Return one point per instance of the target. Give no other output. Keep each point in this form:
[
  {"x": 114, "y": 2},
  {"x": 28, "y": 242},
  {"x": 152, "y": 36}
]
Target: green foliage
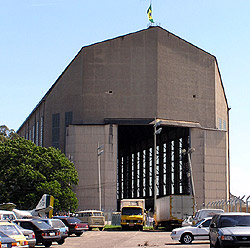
[
  {"x": 28, "y": 171},
  {"x": 6, "y": 133}
]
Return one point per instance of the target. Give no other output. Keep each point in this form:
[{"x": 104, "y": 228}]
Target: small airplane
[{"x": 44, "y": 207}]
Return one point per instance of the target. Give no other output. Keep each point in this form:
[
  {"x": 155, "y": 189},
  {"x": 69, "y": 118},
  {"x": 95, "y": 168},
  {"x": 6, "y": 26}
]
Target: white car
[{"x": 187, "y": 234}]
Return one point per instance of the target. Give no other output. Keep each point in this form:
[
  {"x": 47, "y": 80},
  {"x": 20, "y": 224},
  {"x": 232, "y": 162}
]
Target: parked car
[
  {"x": 56, "y": 223},
  {"x": 45, "y": 234},
  {"x": 199, "y": 231},
  {"x": 6, "y": 241},
  {"x": 74, "y": 224},
  {"x": 29, "y": 235},
  {"x": 188, "y": 221},
  {"x": 11, "y": 230},
  {"x": 230, "y": 230},
  {"x": 207, "y": 212}
]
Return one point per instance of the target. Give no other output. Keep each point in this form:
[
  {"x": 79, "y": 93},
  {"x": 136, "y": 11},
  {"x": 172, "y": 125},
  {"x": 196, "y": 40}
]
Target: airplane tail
[
  {"x": 45, "y": 203},
  {"x": 44, "y": 206}
]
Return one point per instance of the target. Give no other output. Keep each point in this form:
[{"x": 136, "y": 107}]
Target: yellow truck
[{"x": 132, "y": 214}]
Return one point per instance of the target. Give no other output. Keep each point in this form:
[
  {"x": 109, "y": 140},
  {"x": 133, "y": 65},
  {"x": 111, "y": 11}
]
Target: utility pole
[
  {"x": 99, "y": 153},
  {"x": 191, "y": 177},
  {"x": 156, "y": 131}
]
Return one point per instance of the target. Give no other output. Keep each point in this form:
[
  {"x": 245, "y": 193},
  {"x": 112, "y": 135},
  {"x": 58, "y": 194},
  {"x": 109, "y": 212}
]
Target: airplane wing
[{"x": 7, "y": 206}]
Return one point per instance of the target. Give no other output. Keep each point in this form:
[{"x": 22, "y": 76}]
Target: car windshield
[
  {"x": 198, "y": 223},
  {"x": 10, "y": 230},
  {"x": 131, "y": 211},
  {"x": 2, "y": 235},
  {"x": 41, "y": 224},
  {"x": 57, "y": 223},
  {"x": 237, "y": 220},
  {"x": 73, "y": 220},
  {"x": 8, "y": 217}
]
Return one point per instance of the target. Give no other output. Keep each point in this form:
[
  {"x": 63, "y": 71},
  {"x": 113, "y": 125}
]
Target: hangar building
[{"x": 111, "y": 93}]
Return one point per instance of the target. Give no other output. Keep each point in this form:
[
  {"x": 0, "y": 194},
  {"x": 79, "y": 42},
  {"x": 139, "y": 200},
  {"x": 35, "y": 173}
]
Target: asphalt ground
[{"x": 121, "y": 239}]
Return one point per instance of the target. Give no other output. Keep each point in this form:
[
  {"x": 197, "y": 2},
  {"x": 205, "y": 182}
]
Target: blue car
[{"x": 6, "y": 241}]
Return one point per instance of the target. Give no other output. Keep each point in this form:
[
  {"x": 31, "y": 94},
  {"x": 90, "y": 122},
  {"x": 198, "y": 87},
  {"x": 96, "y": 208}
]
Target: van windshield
[{"x": 97, "y": 214}]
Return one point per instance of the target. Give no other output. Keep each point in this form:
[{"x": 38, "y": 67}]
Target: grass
[
  {"x": 112, "y": 228},
  {"x": 118, "y": 228}
]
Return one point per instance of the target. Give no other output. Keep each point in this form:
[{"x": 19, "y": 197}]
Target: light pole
[
  {"x": 99, "y": 153},
  {"x": 156, "y": 131}
]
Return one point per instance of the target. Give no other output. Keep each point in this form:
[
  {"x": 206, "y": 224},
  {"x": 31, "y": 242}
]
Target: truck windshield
[{"x": 131, "y": 211}]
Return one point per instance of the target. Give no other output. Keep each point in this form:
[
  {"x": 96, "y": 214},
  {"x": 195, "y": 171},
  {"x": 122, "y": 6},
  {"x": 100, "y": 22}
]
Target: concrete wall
[
  {"x": 81, "y": 146},
  {"x": 35, "y": 123},
  {"x": 210, "y": 165},
  {"x": 119, "y": 78},
  {"x": 186, "y": 83}
]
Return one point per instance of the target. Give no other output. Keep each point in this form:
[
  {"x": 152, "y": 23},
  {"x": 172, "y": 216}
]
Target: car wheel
[
  {"x": 217, "y": 244},
  {"x": 61, "y": 241},
  {"x": 186, "y": 238},
  {"x": 100, "y": 228},
  {"x": 48, "y": 244},
  {"x": 78, "y": 234}
]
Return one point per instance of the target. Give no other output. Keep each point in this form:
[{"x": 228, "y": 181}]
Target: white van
[
  {"x": 94, "y": 218},
  {"x": 7, "y": 215},
  {"x": 203, "y": 213}
]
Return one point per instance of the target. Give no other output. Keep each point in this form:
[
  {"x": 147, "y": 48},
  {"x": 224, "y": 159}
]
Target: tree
[
  {"x": 28, "y": 171},
  {"x": 6, "y": 133}
]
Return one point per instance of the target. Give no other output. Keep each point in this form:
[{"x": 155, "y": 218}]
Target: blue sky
[{"x": 39, "y": 38}]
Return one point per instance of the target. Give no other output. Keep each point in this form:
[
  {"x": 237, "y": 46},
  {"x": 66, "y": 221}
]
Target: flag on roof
[{"x": 149, "y": 12}]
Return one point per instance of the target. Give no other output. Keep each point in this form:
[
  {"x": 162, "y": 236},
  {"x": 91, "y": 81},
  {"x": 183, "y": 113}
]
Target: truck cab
[{"x": 132, "y": 214}]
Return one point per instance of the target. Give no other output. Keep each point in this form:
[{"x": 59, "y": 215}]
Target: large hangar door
[{"x": 135, "y": 170}]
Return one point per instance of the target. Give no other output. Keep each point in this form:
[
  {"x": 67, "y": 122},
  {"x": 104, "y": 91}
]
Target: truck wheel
[
  {"x": 155, "y": 227},
  {"x": 140, "y": 228},
  {"x": 186, "y": 238}
]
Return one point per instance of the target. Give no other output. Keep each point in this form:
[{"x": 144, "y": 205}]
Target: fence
[{"x": 234, "y": 204}]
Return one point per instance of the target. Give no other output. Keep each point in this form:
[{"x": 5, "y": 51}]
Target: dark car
[
  {"x": 44, "y": 233},
  {"x": 75, "y": 225},
  {"x": 56, "y": 223},
  {"x": 6, "y": 241},
  {"x": 230, "y": 230}
]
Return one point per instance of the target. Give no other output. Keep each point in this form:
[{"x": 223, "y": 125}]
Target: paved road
[{"x": 121, "y": 239}]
